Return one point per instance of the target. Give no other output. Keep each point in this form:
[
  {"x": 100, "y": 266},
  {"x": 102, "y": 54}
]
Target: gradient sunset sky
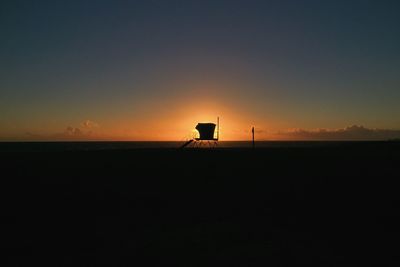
[{"x": 150, "y": 70}]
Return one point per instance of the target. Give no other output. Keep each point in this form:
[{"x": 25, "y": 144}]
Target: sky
[{"x": 151, "y": 70}]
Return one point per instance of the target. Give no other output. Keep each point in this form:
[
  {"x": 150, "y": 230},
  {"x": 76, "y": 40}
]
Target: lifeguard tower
[{"x": 206, "y": 136}]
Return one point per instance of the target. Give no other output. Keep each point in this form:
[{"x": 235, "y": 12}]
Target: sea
[{"x": 134, "y": 145}]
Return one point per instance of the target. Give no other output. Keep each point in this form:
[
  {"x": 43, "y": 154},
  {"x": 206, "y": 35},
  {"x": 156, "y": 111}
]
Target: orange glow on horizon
[{"x": 159, "y": 119}]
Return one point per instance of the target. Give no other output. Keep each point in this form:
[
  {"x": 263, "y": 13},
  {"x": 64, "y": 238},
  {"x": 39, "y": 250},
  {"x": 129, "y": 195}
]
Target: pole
[
  {"x": 252, "y": 131},
  {"x": 217, "y": 128}
]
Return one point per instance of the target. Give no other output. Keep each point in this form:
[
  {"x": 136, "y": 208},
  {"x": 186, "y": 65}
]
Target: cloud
[
  {"x": 70, "y": 133},
  {"x": 85, "y": 132},
  {"x": 88, "y": 124},
  {"x": 354, "y": 132}
]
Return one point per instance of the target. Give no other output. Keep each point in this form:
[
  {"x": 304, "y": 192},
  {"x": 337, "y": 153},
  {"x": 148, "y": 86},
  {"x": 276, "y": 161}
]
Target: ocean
[
  {"x": 129, "y": 145},
  {"x": 121, "y": 203}
]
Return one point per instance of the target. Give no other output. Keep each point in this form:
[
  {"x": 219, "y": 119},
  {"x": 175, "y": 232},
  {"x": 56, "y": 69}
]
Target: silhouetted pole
[
  {"x": 217, "y": 128},
  {"x": 252, "y": 131}
]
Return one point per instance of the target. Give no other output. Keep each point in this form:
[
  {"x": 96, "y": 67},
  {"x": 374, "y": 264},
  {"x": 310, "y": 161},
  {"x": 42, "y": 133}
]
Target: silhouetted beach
[{"x": 307, "y": 203}]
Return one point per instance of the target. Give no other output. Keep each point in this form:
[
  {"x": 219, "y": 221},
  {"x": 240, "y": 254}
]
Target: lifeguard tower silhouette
[{"x": 206, "y": 135}]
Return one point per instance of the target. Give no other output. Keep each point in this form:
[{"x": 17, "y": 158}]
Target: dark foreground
[{"x": 325, "y": 205}]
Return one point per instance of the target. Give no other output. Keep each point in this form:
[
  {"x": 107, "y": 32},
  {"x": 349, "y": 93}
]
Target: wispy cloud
[
  {"x": 88, "y": 124},
  {"x": 84, "y": 132},
  {"x": 354, "y": 132},
  {"x": 71, "y": 131}
]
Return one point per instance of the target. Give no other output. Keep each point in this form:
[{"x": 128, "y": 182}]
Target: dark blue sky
[{"x": 285, "y": 64}]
